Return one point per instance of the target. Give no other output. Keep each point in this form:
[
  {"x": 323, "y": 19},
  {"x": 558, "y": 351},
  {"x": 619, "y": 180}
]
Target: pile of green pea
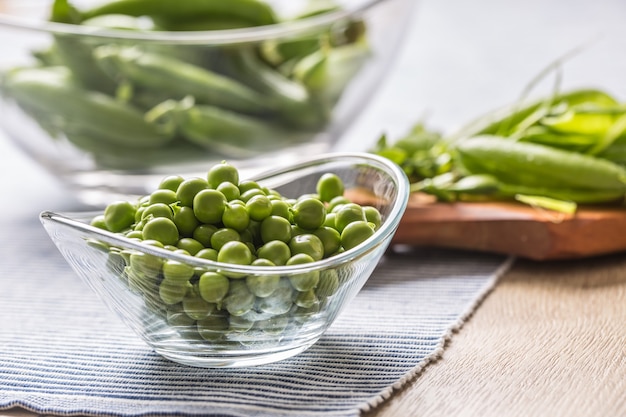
[{"x": 223, "y": 219}]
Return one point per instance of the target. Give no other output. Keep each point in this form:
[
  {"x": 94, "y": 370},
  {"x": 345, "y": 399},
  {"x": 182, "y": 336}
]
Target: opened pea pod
[{"x": 558, "y": 152}]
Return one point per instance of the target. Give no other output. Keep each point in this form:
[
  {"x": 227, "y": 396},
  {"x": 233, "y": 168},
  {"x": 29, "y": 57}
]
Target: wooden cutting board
[{"x": 512, "y": 228}]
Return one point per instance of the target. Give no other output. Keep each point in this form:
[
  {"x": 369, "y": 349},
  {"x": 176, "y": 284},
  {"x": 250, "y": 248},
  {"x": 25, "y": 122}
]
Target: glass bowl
[
  {"x": 112, "y": 103},
  {"x": 261, "y": 328}
]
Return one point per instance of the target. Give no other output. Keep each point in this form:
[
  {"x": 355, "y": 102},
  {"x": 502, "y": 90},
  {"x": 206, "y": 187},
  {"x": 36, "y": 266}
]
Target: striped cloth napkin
[{"x": 63, "y": 352}]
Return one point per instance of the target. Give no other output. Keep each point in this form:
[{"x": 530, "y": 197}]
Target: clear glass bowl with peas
[
  {"x": 223, "y": 271},
  {"x": 112, "y": 95}
]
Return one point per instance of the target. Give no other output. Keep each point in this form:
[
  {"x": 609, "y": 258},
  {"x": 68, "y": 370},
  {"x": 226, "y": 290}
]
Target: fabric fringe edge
[{"x": 444, "y": 341}]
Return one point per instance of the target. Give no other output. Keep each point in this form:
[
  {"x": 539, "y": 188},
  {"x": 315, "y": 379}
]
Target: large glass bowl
[
  {"x": 128, "y": 275},
  {"x": 111, "y": 105}
]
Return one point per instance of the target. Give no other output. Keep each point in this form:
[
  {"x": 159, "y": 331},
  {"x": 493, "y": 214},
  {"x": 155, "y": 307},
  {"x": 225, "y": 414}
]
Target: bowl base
[{"x": 239, "y": 361}]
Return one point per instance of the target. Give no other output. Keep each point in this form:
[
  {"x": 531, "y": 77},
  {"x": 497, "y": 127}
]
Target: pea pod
[
  {"x": 53, "y": 92},
  {"x": 505, "y": 121},
  {"x": 255, "y": 12},
  {"x": 289, "y": 98},
  {"x": 178, "y": 78},
  {"x": 537, "y": 165},
  {"x": 328, "y": 72},
  {"x": 469, "y": 187},
  {"x": 222, "y": 131}
]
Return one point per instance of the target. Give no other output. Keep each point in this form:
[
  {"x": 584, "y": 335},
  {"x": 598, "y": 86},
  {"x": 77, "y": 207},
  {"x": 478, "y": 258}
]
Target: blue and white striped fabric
[{"x": 63, "y": 352}]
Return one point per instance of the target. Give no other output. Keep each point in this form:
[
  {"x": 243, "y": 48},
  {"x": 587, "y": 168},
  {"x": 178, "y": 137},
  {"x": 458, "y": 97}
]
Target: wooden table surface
[{"x": 550, "y": 340}]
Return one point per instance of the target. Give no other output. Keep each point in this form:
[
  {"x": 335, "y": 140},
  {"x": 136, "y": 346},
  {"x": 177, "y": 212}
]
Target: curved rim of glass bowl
[
  {"x": 213, "y": 37},
  {"x": 383, "y": 234}
]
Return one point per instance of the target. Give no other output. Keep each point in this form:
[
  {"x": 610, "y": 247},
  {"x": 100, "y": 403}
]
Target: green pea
[
  {"x": 280, "y": 300},
  {"x": 302, "y": 315},
  {"x": 171, "y": 182},
  {"x": 236, "y": 217},
  {"x": 207, "y": 253},
  {"x": 239, "y": 299},
  {"x": 262, "y": 285},
  {"x": 135, "y": 234},
  {"x": 337, "y": 201},
  {"x": 186, "y": 221},
  {"x": 172, "y": 292},
  {"x": 307, "y": 196},
  {"x": 145, "y": 264},
  {"x": 247, "y": 195},
  {"x": 356, "y": 233},
  {"x": 230, "y": 190},
  {"x": 213, "y": 287},
  {"x": 222, "y": 236},
  {"x": 165, "y": 196},
  {"x": 306, "y": 280},
  {"x": 197, "y": 308},
  {"x": 209, "y": 206},
  {"x": 213, "y": 327},
  {"x": 281, "y": 208},
  {"x": 259, "y": 207},
  {"x": 309, "y": 213},
  {"x": 177, "y": 272},
  {"x": 234, "y": 252},
  {"x": 222, "y": 172},
  {"x": 309, "y": 244},
  {"x": 330, "y": 220},
  {"x": 276, "y": 251},
  {"x": 153, "y": 242},
  {"x": 330, "y": 238},
  {"x": 203, "y": 233},
  {"x": 240, "y": 324},
  {"x": 189, "y": 244},
  {"x": 275, "y": 228},
  {"x": 247, "y": 185},
  {"x": 297, "y": 230},
  {"x": 161, "y": 229},
  {"x": 119, "y": 215},
  {"x": 99, "y": 222},
  {"x": 188, "y": 189},
  {"x": 306, "y": 299},
  {"x": 274, "y": 325},
  {"x": 348, "y": 213},
  {"x": 328, "y": 284},
  {"x": 157, "y": 210},
  {"x": 176, "y": 316},
  {"x": 138, "y": 213},
  {"x": 373, "y": 216},
  {"x": 329, "y": 186}
]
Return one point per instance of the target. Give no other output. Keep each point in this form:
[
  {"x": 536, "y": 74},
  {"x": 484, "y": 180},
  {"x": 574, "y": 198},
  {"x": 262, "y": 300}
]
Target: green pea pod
[
  {"x": 111, "y": 156},
  {"x": 201, "y": 23},
  {"x": 256, "y": 12},
  {"x": 178, "y": 78},
  {"x": 221, "y": 131},
  {"x": 328, "y": 72},
  {"x": 576, "y": 195},
  {"x": 484, "y": 185},
  {"x": 289, "y": 98},
  {"x": 505, "y": 121},
  {"x": 277, "y": 52},
  {"x": 76, "y": 53},
  {"x": 537, "y": 165},
  {"x": 52, "y": 91},
  {"x": 584, "y": 120}
]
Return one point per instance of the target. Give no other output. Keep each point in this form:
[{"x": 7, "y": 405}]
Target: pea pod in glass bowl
[
  {"x": 110, "y": 96},
  {"x": 247, "y": 294}
]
